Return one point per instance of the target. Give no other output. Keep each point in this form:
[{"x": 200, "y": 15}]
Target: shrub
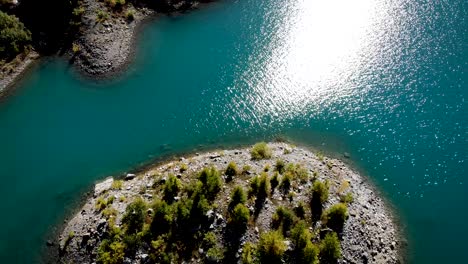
[
  {"x": 246, "y": 169},
  {"x": 78, "y": 11},
  {"x": 253, "y": 186},
  {"x": 182, "y": 210},
  {"x": 320, "y": 192},
  {"x": 132, "y": 242},
  {"x": 297, "y": 171},
  {"x": 101, "y": 203},
  {"x": 310, "y": 254},
  {"x": 134, "y": 216},
  {"x": 285, "y": 184},
  {"x": 300, "y": 235},
  {"x": 274, "y": 181},
  {"x": 239, "y": 216},
  {"x": 211, "y": 180},
  {"x": 109, "y": 212},
  {"x": 130, "y": 15},
  {"x": 238, "y": 197},
  {"x": 115, "y": 3},
  {"x": 280, "y": 165},
  {"x": 302, "y": 173},
  {"x": 260, "y": 151},
  {"x": 263, "y": 185},
  {"x": 209, "y": 240},
  {"x": 248, "y": 253},
  {"x": 13, "y": 35},
  {"x": 284, "y": 218},
  {"x": 101, "y": 16},
  {"x": 330, "y": 248},
  {"x": 110, "y": 252},
  {"x": 171, "y": 188},
  {"x": 271, "y": 247},
  {"x": 347, "y": 198},
  {"x": 306, "y": 252},
  {"x": 162, "y": 218},
  {"x": 335, "y": 216},
  {"x": 117, "y": 184},
  {"x": 183, "y": 166},
  {"x": 299, "y": 210},
  {"x": 215, "y": 254},
  {"x": 231, "y": 169}
]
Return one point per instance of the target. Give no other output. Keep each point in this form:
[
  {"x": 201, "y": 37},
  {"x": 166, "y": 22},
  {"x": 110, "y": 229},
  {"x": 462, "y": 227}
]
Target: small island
[{"x": 269, "y": 203}]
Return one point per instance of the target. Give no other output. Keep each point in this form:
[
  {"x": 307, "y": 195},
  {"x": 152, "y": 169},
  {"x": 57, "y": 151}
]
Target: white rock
[{"x": 103, "y": 186}]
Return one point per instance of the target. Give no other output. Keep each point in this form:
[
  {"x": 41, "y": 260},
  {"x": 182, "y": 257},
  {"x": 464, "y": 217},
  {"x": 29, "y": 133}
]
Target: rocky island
[{"x": 270, "y": 203}]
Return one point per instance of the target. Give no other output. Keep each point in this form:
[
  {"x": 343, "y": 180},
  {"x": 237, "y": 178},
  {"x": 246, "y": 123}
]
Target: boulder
[{"x": 130, "y": 176}]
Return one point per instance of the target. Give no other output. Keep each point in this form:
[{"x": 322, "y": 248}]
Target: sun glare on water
[{"x": 317, "y": 47}]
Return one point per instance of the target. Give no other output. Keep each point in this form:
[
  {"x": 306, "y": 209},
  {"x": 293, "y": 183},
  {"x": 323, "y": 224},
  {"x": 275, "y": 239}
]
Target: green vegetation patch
[
  {"x": 13, "y": 36},
  {"x": 260, "y": 151}
]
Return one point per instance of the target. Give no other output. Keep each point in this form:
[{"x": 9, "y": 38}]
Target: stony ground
[
  {"x": 370, "y": 235},
  {"x": 11, "y": 72},
  {"x": 107, "y": 46}
]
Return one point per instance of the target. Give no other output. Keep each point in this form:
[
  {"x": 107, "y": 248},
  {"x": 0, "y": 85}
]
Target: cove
[{"x": 382, "y": 80}]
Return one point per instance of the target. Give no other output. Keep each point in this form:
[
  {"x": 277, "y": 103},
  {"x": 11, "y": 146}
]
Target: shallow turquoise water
[{"x": 383, "y": 80}]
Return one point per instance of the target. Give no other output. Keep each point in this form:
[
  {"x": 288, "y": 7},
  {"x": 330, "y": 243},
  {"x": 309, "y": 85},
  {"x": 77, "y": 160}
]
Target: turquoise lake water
[{"x": 382, "y": 80}]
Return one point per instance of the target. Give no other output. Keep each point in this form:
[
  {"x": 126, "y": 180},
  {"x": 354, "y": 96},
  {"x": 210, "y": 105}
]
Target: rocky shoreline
[
  {"x": 102, "y": 49},
  {"x": 370, "y": 233},
  {"x": 8, "y": 79},
  {"x": 107, "y": 47}
]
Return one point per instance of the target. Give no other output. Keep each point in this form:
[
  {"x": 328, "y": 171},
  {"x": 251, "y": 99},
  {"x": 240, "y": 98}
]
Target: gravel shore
[{"x": 370, "y": 233}]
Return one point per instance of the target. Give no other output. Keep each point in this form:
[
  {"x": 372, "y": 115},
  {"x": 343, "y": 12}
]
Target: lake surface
[{"x": 382, "y": 80}]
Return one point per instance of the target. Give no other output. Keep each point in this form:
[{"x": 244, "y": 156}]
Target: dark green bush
[
  {"x": 285, "y": 184},
  {"x": 330, "y": 249},
  {"x": 263, "y": 185},
  {"x": 182, "y": 210},
  {"x": 260, "y": 151},
  {"x": 231, "y": 169},
  {"x": 248, "y": 253},
  {"x": 134, "y": 216},
  {"x": 300, "y": 235},
  {"x": 253, "y": 186},
  {"x": 320, "y": 192},
  {"x": 162, "y": 218},
  {"x": 335, "y": 216},
  {"x": 310, "y": 254},
  {"x": 171, "y": 188},
  {"x": 347, "y": 198},
  {"x": 274, "y": 181},
  {"x": 299, "y": 210},
  {"x": 283, "y": 218},
  {"x": 209, "y": 240},
  {"x": 271, "y": 247},
  {"x": 239, "y": 216},
  {"x": 211, "y": 179},
  {"x": 110, "y": 252},
  {"x": 200, "y": 206},
  {"x": 237, "y": 197},
  {"x": 280, "y": 166},
  {"x": 13, "y": 36},
  {"x": 215, "y": 255}
]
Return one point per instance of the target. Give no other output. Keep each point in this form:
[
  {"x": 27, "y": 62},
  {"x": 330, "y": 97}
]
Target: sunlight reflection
[{"x": 319, "y": 44}]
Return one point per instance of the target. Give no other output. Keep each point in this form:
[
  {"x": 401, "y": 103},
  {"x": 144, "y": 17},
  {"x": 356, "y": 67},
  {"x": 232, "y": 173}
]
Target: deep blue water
[{"x": 383, "y": 80}]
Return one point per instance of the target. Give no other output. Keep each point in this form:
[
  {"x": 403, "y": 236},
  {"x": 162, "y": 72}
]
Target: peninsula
[
  {"x": 269, "y": 203},
  {"x": 95, "y": 35}
]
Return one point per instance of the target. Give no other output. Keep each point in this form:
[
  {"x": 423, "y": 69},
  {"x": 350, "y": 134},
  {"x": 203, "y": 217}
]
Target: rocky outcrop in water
[{"x": 188, "y": 212}]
